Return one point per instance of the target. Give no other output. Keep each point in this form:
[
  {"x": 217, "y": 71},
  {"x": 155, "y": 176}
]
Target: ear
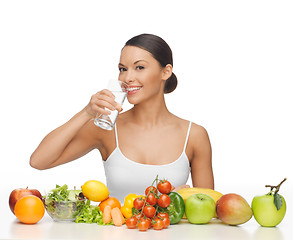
[{"x": 167, "y": 72}]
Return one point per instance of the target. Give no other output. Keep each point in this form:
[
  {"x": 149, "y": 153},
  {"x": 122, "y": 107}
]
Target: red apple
[
  {"x": 233, "y": 209},
  {"x": 17, "y": 194}
]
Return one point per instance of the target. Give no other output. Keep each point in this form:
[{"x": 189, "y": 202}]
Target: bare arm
[
  {"x": 55, "y": 143},
  {"x": 74, "y": 138},
  {"x": 201, "y": 162}
]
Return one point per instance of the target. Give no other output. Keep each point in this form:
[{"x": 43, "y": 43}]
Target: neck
[{"x": 151, "y": 113}]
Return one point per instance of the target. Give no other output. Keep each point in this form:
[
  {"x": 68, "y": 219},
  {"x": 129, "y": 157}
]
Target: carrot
[
  {"x": 122, "y": 217},
  {"x": 116, "y": 216},
  {"x": 107, "y": 214}
]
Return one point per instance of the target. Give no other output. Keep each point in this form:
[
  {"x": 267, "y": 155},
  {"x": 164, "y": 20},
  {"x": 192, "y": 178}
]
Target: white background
[{"x": 233, "y": 61}]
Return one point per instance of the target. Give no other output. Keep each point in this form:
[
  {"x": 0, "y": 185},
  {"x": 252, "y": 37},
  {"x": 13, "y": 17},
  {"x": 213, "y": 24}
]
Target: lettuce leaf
[
  {"x": 58, "y": 194},
  {"x": 91, "y": 214}
]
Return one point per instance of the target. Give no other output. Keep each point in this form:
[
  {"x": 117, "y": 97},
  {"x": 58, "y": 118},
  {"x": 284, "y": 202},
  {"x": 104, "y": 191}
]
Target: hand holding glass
[{"x": 119, "y": 89}]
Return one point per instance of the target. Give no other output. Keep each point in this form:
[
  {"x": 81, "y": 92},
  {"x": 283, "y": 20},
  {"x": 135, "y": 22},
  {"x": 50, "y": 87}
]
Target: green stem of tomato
[{"x": 156, "y": 180}]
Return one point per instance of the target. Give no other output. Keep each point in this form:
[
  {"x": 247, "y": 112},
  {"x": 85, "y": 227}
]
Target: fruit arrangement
[
  {"x": 157, "y": 209},
  {"x": 26, "y": 204}
]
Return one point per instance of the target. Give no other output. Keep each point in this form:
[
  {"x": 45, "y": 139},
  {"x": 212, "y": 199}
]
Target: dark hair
[{"x": 160, "y": 50}]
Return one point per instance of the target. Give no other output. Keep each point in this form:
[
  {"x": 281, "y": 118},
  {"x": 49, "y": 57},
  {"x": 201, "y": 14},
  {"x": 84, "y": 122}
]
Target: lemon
[{"x": 95, "y": 190}]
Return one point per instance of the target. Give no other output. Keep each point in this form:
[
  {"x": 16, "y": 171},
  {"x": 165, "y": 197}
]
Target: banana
[{"x": 187, "y": 192}]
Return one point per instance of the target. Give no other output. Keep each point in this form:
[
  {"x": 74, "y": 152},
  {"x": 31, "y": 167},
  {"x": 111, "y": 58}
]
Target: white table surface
[
  {"x": 11, "y": 228},
  {"x": 48, "y": 229}
]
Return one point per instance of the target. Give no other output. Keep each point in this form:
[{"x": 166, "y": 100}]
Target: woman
[{"x": 147, "y": 140}]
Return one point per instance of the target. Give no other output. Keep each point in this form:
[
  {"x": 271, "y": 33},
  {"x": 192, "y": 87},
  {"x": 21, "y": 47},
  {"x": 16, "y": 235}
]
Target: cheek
[{"x": 152, "y": 77}]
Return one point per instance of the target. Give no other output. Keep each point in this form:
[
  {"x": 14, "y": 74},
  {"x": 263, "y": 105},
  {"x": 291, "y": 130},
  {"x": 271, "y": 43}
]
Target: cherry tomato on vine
[
  {"x": 149, "y": 211},
  {"x": 137, "y": 216},
  {"x": 148, "y": 220},
  {"x": 152, "y": 189},
  {"x": 151, "y": 199},
  {"x": 165, "y": 218},
  {"x": 131, "y": 222},
  {"x": 164, "y": 186},
  {"x": 138, "y": 203},
  {"x": 143, "y": 224},
  {"x": 158, "y": 224},
  {"x": 162, "y": 215},
  {"x": 166, "y": 222},
  {"x": 164, "y": 201}
]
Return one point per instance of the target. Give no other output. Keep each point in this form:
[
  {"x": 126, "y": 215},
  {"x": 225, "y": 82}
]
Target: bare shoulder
[
  {"x": 195, "y": 129},
  {"x": 199, "y": 139},
  {"x": 198, "y": 131},
  {"x": 198, "y": 134}
]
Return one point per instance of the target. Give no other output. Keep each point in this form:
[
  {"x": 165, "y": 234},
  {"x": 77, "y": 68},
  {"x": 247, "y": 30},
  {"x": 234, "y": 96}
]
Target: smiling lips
[{"x": 133, "y": 89}]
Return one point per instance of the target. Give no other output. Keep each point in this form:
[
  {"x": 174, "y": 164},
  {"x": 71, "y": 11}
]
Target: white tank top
[{"x": 124, "y": 176}]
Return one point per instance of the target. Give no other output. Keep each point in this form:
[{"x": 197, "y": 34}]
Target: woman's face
[{"x": 142, "y": 72}]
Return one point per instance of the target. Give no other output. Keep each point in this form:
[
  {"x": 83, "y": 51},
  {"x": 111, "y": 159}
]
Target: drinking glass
[{"x": 119, "y": 89}]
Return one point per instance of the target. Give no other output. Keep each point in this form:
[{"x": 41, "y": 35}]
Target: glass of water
[{"x": 119, "y": 89}]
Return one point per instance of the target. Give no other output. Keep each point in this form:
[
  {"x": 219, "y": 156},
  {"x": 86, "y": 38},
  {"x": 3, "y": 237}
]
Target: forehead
[{"x": 131, "y": 54}]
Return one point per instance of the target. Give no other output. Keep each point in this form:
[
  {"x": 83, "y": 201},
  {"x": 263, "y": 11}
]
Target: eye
[
  {"x": 139, "y": 67},
  {"x": 122, "y": 69}
]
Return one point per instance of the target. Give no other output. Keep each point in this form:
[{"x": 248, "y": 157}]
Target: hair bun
[{"x": 170, "y": 84}]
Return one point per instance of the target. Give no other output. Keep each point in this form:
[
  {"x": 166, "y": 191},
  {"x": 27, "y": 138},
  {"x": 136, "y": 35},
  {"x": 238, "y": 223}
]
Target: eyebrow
[{"x": 134, "y": 62}]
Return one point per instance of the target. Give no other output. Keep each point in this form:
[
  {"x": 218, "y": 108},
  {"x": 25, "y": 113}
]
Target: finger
[
  {"x": 107, "y": 93},
  {"x": 118, "y": 107},
  {"x": 103, "y": 112},
  {"x": 103, "y": 101},
  {"x": 98, "y": 110},
  {"x": 104, "y": 104},
  {"x": 104, "y": 98}
]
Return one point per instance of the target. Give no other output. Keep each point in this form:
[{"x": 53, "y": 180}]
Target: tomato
[
  {"x": 158, "y": 224},
  {"x": 164, "y": 186},
  {"x": 148, "y": 220},
  {"x": 149, "y": 211},
  {"x": 162, "y": 215},
  {"x": 138, "y": 203},
  {"x": 164, "y": 201},
  {"x": 165, "y": 218},
  {"x": 166, "y": 222},
  {"x": 137, "y": 216},
  {"x": 151, "y": 199},
  {"x": 152, "y": 189},
  {"x": 110, "y": 201},
  {"x": 143, "y": 224},
  {"x": 131, "y": 222}
]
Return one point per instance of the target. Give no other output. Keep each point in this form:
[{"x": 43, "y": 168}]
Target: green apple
[
  {"x": 270, "y": 209},
  {"x": 265, "y": 212},
  {"x": 200, "y": 208}
]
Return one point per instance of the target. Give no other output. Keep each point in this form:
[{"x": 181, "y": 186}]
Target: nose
[{"x": 130, "y": 77}]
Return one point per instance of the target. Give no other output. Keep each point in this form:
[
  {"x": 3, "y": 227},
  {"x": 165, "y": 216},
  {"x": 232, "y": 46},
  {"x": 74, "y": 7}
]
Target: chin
[{"x": 133, "y": 101}]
